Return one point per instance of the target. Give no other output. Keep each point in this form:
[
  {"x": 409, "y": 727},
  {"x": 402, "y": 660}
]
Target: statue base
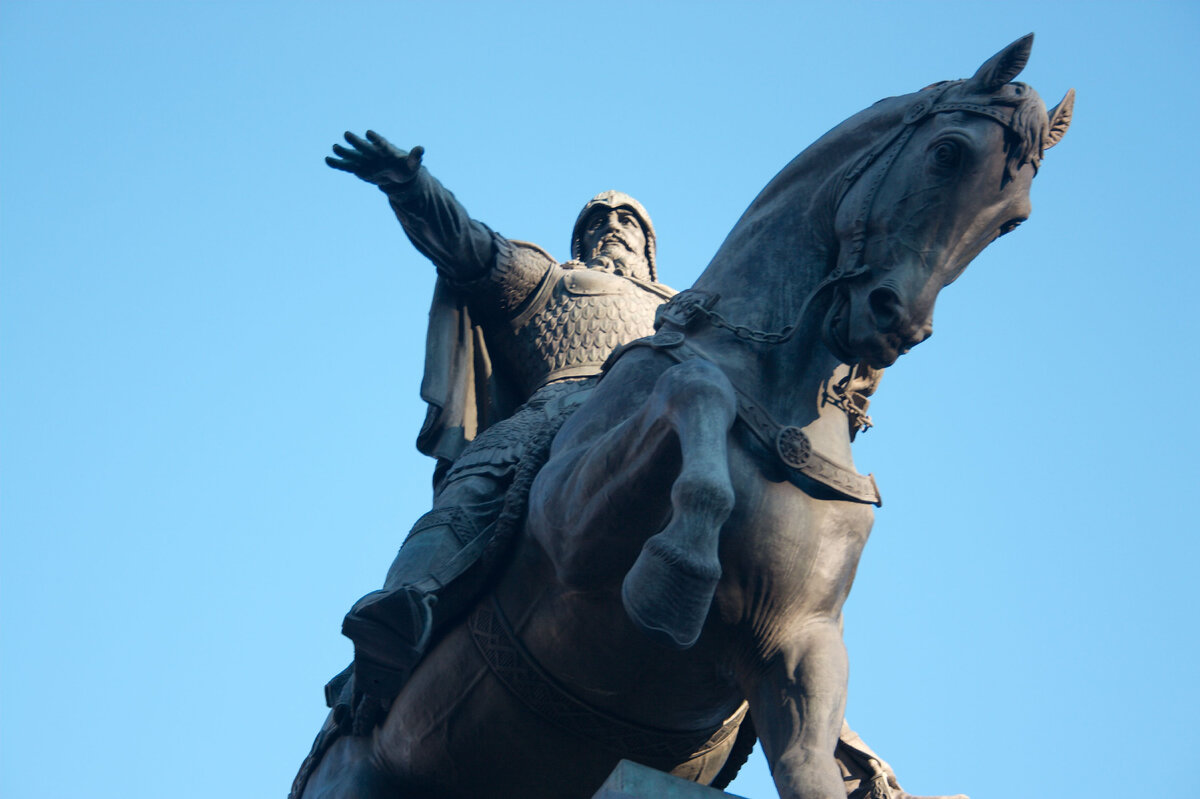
[{"x": 630, "y": 780}]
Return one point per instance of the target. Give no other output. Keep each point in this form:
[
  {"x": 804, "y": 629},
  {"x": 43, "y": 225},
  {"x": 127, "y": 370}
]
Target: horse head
[{"x": 951, "y": 177}]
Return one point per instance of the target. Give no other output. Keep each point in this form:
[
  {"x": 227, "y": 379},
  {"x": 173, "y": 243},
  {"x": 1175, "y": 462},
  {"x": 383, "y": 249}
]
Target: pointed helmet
[{"x": 614, "y": 200}]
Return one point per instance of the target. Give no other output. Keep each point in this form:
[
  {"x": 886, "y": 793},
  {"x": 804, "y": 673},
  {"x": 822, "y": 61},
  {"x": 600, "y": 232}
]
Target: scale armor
[
  {"x": 554, "y": 349},
  {"x": 583, "y": 315}
]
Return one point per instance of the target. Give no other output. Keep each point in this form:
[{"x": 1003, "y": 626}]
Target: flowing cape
[{"x": 464, "y": 394}]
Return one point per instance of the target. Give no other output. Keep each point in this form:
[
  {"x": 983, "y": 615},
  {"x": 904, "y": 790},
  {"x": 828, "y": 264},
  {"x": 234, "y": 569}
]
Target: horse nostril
[{"x": 886, "y": 308}]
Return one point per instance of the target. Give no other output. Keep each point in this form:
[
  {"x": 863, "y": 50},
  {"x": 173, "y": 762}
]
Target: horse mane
[
  {"x": 789, "y": 225},
  {"x": 1026, "y": 140}
]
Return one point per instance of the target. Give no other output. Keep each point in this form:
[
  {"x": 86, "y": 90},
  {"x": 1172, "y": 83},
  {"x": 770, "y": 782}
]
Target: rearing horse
[{"x": 691, "y": 541}]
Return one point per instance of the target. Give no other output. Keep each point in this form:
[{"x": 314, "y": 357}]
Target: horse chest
[{"x": 787, "y": 556}]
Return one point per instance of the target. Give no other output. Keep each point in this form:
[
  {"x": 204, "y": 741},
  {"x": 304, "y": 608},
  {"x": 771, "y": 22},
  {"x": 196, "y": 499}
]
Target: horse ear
[
  {"x": 1060, "y": 119},
  {"x": 1002, "y": 67}
]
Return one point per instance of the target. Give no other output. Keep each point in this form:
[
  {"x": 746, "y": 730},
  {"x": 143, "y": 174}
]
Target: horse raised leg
[
  {"x": 668, "y": 591},
  {"x": 681, "y": 429}
]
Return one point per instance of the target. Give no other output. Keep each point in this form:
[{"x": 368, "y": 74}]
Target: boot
[{"x": 390, "y": 630}]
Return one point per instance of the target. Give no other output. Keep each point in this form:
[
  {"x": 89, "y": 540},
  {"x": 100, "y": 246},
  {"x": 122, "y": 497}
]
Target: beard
[{"x": 614, "y": 255}]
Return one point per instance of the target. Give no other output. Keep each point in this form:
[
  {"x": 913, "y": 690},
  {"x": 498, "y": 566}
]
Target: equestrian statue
[{"x": 646, "y": 514}]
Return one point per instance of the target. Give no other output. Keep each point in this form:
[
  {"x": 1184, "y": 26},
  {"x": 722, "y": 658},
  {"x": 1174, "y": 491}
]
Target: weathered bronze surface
[
  {"x": 626, "y": 565},
  {"x": 632, "y": 781}
]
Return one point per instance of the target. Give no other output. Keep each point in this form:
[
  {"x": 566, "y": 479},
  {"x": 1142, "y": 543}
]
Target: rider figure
[{"x": 509, "y": 325}]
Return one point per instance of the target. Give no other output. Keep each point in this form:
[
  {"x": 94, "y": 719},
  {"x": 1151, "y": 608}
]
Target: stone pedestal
[{"x": 632, "y": 781}]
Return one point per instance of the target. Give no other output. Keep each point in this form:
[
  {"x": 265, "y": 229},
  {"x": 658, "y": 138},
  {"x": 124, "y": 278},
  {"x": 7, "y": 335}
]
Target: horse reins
[
  {"x": 852, "y": 264},
  {"x": 790, "y": 445}
]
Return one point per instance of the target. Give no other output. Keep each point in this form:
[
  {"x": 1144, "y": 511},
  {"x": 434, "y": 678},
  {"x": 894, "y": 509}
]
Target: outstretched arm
[
  {"x": 378, "y": 161},
  {"x": 436, "y": 223}
]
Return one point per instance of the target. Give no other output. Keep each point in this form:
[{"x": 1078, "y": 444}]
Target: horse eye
[
  {"x": 946, "y": 154},
  {"x": 1010, "y": 226}
]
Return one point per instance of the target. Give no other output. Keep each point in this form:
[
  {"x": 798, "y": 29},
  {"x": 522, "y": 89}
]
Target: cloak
[{"x": 464, "y": 394}]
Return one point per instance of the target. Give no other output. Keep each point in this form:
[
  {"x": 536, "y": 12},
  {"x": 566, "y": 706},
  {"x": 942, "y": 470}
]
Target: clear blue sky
[{"x": 210, "y": 347}]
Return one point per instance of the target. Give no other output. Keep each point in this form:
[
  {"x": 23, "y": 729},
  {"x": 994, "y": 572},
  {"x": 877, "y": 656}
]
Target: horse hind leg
[{"x": 668, "y": 591}]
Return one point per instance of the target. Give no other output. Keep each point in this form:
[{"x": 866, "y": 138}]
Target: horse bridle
[
  {"x": 685, "y": 306},
  {"x": 790, "y": 445}
]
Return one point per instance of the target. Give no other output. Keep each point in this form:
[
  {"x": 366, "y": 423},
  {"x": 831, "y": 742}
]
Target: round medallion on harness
[{"x": 793, "y": 446}]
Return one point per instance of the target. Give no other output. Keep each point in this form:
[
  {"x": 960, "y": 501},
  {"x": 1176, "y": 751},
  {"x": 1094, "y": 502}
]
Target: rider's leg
[
  {"x": 432, "y": 555},
  {"x": 445, "y": 561},
  {"x": 391, "y": 627}
]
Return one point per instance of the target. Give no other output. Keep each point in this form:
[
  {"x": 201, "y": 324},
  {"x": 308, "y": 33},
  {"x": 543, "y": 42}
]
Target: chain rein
[
  {"x": 840, "y": 272},
  {"x": 744, "y": 332}
]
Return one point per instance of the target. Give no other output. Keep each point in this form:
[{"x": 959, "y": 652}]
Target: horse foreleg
[
  {"x": 598, "y": 501},
  {"x": 668, "y": 591},
  {"x": 798, "y": 703}
]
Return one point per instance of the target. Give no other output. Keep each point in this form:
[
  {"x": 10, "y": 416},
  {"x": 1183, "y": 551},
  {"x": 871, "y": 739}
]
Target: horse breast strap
[
  {"x": 793, "y": 448},
  {"x": 789, "y": 444}
]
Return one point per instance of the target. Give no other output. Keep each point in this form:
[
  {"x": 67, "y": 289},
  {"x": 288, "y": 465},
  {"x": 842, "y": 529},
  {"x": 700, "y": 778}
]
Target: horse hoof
[{"x": 668, "y": 592}]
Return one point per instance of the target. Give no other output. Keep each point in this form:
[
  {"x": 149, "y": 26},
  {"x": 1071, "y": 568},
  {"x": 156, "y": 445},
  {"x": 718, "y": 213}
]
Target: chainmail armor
[
  {"x": 514, "y": 278},
  {"x": 498, "y": 450}
]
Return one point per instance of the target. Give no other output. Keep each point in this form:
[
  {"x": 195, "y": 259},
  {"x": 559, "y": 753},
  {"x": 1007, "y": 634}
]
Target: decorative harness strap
[
  {"x": 510, "y": 661},
  {"x": 788, "y": 443}
]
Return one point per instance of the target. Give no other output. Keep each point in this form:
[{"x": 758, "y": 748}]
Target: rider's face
[{"x": 610, "y": 227}]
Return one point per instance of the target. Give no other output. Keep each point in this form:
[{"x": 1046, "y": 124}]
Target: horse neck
[
  {"x": 777, "y": 253},
  {"x": 769, "y": 268},
  {"x": 785, "y": 243},
  {"x": 789, "y": 378}
]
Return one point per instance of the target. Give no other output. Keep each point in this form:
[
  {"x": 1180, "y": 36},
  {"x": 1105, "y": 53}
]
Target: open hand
[{"x": 376, "y": 160}]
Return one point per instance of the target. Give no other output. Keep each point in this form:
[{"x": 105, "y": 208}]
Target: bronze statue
[
  {"x": 510, "y": 328},
  {"x": 685, "y": 551}
]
